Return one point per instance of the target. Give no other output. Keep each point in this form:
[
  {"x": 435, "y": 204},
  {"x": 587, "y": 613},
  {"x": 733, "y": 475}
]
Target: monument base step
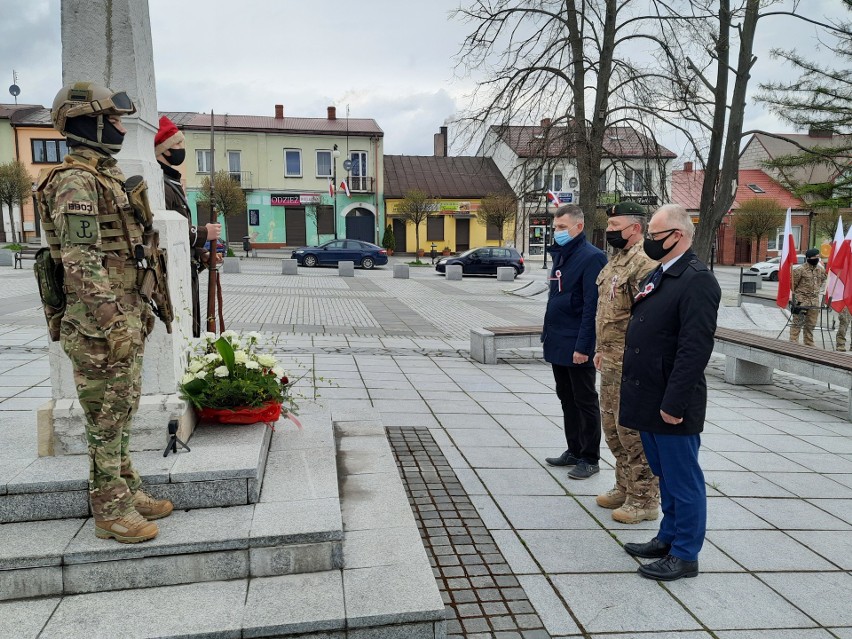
[
  {"x": 224, "y": 468},
  {"x": 243, "y": 571}
]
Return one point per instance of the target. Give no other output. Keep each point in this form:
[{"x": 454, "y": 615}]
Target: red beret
[{"x": 167, "y": 137}]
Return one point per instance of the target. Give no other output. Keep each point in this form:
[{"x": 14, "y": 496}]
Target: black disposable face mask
[
  {"x": 654, "y": 248},
  {"x": 615, "y": 239},
  {"x": 176, "y": 156},
  {"x": 814, "y": 261}
]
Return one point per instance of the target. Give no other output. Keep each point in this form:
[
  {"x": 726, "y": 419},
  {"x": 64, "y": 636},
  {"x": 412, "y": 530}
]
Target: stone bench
[
  {"x": 751, "y": 359},
  {"x": 485, "y": 342}
]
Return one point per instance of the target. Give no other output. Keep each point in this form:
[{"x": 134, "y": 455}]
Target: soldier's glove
[
  {"x": 150, "y": 322},
  {"x": 120, "y": 341}
]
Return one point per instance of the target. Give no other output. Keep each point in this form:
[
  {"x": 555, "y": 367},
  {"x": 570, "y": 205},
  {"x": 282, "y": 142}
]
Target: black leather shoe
[
  {"x": 583, "y": 470},
  {"x": 565, "y": 459},
  {"x": 669, "y": 568},
  {"x": 654, "y": 549}
]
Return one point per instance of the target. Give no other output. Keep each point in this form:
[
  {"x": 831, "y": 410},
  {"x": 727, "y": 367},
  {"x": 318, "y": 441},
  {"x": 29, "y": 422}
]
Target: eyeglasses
[{"x": 655, "y": 234}]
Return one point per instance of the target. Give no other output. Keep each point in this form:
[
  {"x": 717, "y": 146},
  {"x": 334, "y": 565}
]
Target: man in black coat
[
  {"x": 569, "y": 339},
  {"x": 663, "y": 391}
]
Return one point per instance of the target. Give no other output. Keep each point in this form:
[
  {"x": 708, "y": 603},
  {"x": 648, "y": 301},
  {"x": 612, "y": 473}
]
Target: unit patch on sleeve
[{"x": 82, "y": 229}]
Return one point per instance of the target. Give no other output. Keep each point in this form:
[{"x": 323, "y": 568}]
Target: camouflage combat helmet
[{"x": 89, "y": 99}]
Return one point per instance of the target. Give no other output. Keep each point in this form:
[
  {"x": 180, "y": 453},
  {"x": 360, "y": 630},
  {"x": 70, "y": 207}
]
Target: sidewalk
[{"x": 778, "y": 459}]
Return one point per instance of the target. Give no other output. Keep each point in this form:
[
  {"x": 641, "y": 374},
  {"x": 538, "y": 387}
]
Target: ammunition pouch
[
  {"x": 137, "y": 194},
  {"x": 50, "y": 276}
]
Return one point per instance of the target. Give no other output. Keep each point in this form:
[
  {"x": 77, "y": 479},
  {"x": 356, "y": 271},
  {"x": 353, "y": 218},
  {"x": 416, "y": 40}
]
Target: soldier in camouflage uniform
[
  {"x": 807, "y": 283},
  {"x": 91, "y": 226},
  {"x": 636, "y": 495},
  {"x": 843, "y": 323}
]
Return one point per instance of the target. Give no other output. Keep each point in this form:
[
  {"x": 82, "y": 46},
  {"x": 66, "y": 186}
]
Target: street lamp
[{"x": 334, "y": 155}]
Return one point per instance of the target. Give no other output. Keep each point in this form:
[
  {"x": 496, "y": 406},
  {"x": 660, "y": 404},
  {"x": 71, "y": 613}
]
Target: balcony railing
[
  {"x": 243, "y": 178},
  {"x": 361, "y": 184}
]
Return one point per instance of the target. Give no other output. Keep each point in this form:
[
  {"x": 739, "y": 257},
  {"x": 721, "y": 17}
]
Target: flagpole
[{"x": 211, "y": 260}]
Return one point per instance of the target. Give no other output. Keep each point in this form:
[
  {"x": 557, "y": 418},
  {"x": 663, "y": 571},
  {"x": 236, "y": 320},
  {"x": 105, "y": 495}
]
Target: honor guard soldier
[{"x": 93, "y": 234}]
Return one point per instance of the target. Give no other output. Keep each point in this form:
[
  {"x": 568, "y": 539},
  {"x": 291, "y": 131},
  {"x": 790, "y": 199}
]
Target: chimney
[
  {"x": 441, "y": 143},
  {"x": 545, "y": 123},
  {"x": 814, "y": 132},
  {"x": 687, "y": 167},
  {"x": 279, "y": 111},
  {"x": 332, "y": 113}
]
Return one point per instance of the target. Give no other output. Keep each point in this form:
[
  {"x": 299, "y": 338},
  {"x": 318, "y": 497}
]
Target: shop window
[{"x": 325, "y": 220}]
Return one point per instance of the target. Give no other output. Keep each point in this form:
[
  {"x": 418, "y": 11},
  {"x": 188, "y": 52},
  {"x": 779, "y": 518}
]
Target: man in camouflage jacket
[
  {"x": 636, "y": 495},
  {"x": 808, "y": 280},
  {"x": 106, "y": 321}
]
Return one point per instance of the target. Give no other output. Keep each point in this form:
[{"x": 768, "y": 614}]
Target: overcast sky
[{"x": 391, "y": 60}]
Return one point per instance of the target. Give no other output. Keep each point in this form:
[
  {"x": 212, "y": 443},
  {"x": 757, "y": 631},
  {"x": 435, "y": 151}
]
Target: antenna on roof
[{"x": 15, "y": 90}]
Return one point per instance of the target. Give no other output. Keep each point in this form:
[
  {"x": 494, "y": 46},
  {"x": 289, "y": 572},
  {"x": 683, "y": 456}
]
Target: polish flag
[
  {"x": 345, "y": 187},
  {"x": 834, "y": 289},
  {"x": 553, "y": 198},
  {"x": 330, "y": 188},
  {"x": 788, "y": 260},
  {"x": 841, "y": 268}
]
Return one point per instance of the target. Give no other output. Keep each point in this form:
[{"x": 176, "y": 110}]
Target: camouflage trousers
[
  {"x": 633, "y": 476},
  {"x": 109, "y": 394},
  {"x": 808, "y": 321},
  {"x": 843, "y": 323}
]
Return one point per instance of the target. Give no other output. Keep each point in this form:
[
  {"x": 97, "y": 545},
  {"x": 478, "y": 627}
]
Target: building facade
[
  {"x": 457, "y": 185},
  {"x": 291, "y": 170},
  {"x": 753, "y": 184},
  {"x": 537, "y": 159}
]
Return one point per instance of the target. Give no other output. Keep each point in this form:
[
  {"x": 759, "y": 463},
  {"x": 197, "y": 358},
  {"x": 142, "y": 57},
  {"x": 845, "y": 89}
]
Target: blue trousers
[{"x": 683, "y": 495}]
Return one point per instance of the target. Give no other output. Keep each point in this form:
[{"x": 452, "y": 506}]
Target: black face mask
[
  {"x": 615, "y": 239},
  {"x": 814, "y": 261},
  {"x": 654, "y": 248},
  {"x": 176, "y": 157}
]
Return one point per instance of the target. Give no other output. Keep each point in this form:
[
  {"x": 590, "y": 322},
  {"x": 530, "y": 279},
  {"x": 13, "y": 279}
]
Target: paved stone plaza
[{"x": 534, "y": 556}]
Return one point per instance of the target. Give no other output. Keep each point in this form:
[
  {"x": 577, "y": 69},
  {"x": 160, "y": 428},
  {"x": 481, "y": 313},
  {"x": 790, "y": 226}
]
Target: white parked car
[{"x": 769, "y": 269}]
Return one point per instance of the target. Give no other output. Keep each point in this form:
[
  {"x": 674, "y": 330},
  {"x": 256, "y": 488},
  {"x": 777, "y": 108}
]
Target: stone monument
[{"x": 109, "y": 42}]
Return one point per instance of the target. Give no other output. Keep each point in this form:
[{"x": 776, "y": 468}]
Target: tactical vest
[{"x": 119, "y": 231}]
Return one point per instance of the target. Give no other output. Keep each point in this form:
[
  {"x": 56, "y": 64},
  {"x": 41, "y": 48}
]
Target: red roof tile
[{"x": 686, "y": 190}]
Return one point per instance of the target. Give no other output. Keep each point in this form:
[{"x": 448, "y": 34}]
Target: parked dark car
[
  {"x": 361, "y": 253},
  {"x": 484, "y": 261}
]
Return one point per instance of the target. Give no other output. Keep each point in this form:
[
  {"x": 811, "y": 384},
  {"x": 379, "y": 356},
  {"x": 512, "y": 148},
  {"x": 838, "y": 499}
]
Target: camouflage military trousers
[
  {"x": 808, "y": 321},
  {"x": 633, "y": 476},
  {"x": 843, "y": 323},
  {"x": 109, "y": 395}
]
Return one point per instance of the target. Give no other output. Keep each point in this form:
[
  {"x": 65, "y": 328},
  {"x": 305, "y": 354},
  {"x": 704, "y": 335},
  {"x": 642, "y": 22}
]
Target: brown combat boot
[
  {"x": 632, "y": 514},
  {"x": 151, "y": 508},
  {"x": 127, "y": 529},
  {"x": 611, "y": 499}
]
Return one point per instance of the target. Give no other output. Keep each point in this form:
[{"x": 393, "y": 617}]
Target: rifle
[{"x": 150, "y": 258}]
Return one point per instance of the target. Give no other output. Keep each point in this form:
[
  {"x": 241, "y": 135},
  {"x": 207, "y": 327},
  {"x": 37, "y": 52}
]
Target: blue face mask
[{"x": 562, "y": 237}]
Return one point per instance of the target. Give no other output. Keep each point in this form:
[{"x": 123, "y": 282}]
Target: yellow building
[{"x": 457, "y": 186}]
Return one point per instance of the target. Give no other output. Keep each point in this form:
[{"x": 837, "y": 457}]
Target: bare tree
[
  {"x": 16, "y": 186},
  {"x": 415, "y": 207},
  {"x": 705, "y": 95},
  {"x": 498, "y": 210},
  {"x": 565, "y": 63},
  {"x": 758, "y": 218}
]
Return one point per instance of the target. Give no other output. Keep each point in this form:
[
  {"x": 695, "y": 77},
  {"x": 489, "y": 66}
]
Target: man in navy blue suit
[
  {"x": 569, "y": 340},
  {"x": 663, "y": 391}
]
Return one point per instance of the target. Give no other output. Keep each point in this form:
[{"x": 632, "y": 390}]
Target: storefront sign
[
  {"x": 565, "y": 197},
  {"x": 452, "y": 207},
  {"x": 254, "y": 217},
  {"x": 310, "y": 198},
  {"x": 277, "y": 199}
]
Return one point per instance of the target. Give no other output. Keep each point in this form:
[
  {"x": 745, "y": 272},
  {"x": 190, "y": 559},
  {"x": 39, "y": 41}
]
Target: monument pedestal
[{"x": 61, "y": 422}]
